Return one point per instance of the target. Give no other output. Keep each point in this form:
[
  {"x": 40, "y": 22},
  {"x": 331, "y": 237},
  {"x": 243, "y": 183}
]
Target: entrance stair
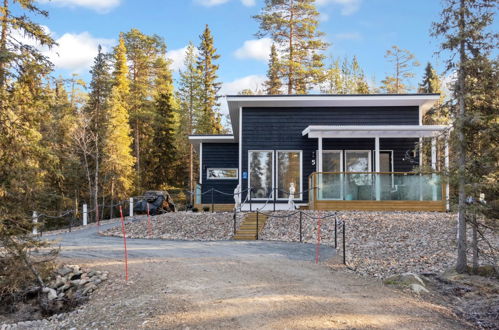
[{"x": 248, "y": 230}]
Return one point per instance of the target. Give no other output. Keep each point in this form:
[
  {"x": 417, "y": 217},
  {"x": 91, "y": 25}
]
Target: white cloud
[
  {"x": 258, "y": 49},
  {"x": 76, "y": 52},
  {"x": 101, "y": 6},
  {"x": 252, "y": 82},
  {"x": 177, "y": 57},
  {"x": 211, "y": 3},
  {"x": 347, "y": 36},
  {"x": 348, "y": 7}
]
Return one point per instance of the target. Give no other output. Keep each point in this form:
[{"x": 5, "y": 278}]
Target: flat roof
[
  {"x": 371, "y": 131},
  {"x": 234, "y": 102}
]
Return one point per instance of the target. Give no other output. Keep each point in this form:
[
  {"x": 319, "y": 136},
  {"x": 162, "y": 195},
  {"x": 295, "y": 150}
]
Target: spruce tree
[
  {"x": 273, "y": 84},
  {"x": 431, "y": 81},
  {"x": 117, "y": 153},
  {"x": 293, "y": 27},
  {"x": 209, "y": 119},
  {"x": 465, "y": 27},
  {"x": 96, "y": 112},
  {"x": 403, "y": 62}
]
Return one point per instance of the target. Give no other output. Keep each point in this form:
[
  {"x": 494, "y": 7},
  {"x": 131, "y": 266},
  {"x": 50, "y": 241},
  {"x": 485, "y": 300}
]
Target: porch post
[
  {"x": 377, "y": 168},
  {"x": 447, "y": 186},
  {"x": 434, "y": 166},
  {"x": 319, "y": 156}
]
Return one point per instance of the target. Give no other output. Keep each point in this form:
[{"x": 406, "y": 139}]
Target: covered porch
[{"x": 358, "y": 186}]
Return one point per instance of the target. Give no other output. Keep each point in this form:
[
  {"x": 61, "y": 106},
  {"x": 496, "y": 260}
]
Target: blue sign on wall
[{"x": 245, "y": 175}]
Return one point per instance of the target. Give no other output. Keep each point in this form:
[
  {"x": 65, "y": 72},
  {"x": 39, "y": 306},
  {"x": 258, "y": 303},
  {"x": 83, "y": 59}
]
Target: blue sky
[{"x": 365, "y": 28}]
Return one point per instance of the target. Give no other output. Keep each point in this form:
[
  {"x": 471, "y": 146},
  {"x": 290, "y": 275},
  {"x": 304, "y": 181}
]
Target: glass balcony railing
[{"x": 358, "y": 186}]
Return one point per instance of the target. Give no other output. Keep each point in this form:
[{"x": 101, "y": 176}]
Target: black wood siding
[
  {"x": 219, "y": 155},
  {"x": 281, "y": 129}
]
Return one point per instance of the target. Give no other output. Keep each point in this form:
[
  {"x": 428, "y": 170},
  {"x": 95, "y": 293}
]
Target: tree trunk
[
  {"x": 461, "y": 263},
  {"x": 291, "y": 55},
  {"x": 475, "y": 244},
  {"x": 111, "y": 213},
  {"x": 191, "y": 175},
  {"x": 96, "y": 179},
  {"x": 137, "y": 152}
]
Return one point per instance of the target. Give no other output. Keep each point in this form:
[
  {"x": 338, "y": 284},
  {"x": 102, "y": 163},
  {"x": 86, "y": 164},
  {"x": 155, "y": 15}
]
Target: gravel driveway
[
  {"x": 233, "y": 285},
  {"x": 88, "y": 244}
]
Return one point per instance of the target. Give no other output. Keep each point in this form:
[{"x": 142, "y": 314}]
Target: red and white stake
[
  {"x": 149, "y": 225},
  {"x": 318, "y": 247},
  {"x": 124, "y": 241}
]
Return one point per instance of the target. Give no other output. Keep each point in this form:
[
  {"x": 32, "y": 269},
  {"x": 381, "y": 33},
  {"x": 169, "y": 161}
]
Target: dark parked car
[{"x": 159, "y": 202}]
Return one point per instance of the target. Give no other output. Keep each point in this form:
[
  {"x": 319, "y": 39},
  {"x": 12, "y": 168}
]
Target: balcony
[{"x": 387, "y": 191}]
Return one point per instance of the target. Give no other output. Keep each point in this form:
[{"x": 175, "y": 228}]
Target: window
[
  {"x": 222, "y": 174},
  {"x": 331, "y": 183},
  {"x": 261, "y": 172},
  {"x": 358, "y": 160},
  {"x": 289, "y": 173}
]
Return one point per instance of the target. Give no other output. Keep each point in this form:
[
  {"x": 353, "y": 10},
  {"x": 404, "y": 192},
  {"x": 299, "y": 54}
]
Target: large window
[
  {"x": 261, "y": 164},
  {"x": 332, "y": 161},
  {"x": 289, "y": 174},
  {"x": 222, "y": 174}
]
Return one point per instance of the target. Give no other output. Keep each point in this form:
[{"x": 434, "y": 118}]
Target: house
[{"x": 328, "y": 152}]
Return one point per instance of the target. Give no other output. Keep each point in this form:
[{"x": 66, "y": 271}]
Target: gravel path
[{"x": 215, "y": 285}]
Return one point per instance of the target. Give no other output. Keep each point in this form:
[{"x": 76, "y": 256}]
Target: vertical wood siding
[{"x": 281, "y": 129}]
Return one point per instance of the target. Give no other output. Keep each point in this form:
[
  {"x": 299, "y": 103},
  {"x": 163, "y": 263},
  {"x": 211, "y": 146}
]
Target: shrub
[
  {"x": 195, "y": 209},
  {"x": 206, "y": 208}
]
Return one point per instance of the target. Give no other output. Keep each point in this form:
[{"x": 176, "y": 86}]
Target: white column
[
  {"x": 421, "y": 141},
  {"x": 319, "y": 156},
  {"x": 131, "y": 206},
  {"x": 377, "y": 168},
  {"x": 447, "y": 186},
  {"x": 434, "y": 166},
  {"x": 85, "y": 215},
  {"x": 35, "y": 222}
]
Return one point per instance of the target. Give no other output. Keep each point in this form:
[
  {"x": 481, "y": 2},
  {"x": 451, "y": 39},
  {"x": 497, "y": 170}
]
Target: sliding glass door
[
  {"x": 261, "y": 164},
  {"x": 332, "y": 161},
  {"x": 284, "y": 174},
  {"x": 289, "y": 174}
]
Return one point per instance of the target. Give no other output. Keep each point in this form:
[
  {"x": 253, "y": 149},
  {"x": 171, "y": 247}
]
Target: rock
[
  {"x": 405, "y": 279},
  {"x": 418, "y": 288},
  {"x": 65, "y": 287},
  {"x": 64, "y": 271},
  {"x": 51, "y": 293},
  {"x": 59, "y": 281},
  {"x": 89, "y": 287}
]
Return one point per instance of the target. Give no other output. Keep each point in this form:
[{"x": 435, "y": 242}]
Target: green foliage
[
  {"x": 273, "y": 85},
  {"x": 118, "y": 161},
  {"x": 209, "y": 119},
  {"x": 347, "y": 78},
  {"x": 403, "y": 62},
  {"x": 293, "y": 27}
]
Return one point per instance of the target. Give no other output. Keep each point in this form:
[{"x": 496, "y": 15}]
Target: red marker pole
[
  {"x": 318, "y": 248},
  {"x": 149, "y": 226},
  {"x": 124, "y": 241}
]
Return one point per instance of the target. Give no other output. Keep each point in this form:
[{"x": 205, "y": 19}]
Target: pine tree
[
  {"x": 209, "y": 119},
  {"x": 347, "y": 79},
  {"x": 333, "y": 81},
  {"x": 142, "y": 53},
  {"x": 431, "y": 81},
  {"x": 464, "y": 27},
  {"x": 273, "y": 84},
  {"x": 117, "y": 153},
  {"x": 293, "y": 26},
  {"x": 403, "y": 61},
  {"x": 360, "y": 84}
]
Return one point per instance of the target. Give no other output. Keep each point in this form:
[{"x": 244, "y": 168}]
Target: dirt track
[{"x": 257, "y": 289}]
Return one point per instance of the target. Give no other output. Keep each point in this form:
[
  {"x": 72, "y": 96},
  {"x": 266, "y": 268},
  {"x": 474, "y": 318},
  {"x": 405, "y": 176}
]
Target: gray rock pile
[
  {"x": 381, "y": 244},
  {"x": 71, "y": 282},
  {"x": 204, "y": 226}
]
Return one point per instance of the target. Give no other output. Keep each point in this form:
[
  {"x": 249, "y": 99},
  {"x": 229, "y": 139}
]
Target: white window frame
[
  {"x": 331, "y": 152},
  {"x": 222, "y": 168},
  {"x": 249, "y": 173},
  {"x": 341, "y": 175},
  {"x": 392, "y": 165},
  {"x": 369, "y": 159},
  {"x": 301, "y": 175}
]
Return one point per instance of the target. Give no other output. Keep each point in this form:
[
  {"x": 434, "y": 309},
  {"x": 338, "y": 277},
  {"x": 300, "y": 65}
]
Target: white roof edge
[
  {"x": 360, "y": 128},
  {"x": 241, "y": 98},
  {"x": 211, "y": 137}
]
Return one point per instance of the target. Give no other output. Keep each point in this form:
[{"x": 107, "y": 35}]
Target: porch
[{"x": 355, "y": 187}]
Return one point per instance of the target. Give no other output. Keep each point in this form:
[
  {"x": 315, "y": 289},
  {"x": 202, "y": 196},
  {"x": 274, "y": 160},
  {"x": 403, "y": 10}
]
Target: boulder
[
  {"x": 405, "y": 279},
  {"x": 51, "y": 293}
]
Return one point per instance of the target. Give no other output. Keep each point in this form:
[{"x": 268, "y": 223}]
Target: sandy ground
[
  {"x": 254, "y": 292},
  {"x": 232, "y": 285}
]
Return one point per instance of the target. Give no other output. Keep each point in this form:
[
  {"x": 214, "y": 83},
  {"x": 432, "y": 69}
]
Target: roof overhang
[
  {"x": 235, "y": 102},
  {"x": 381, "y": 131},
  {"x": 196, "y": 140}
]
